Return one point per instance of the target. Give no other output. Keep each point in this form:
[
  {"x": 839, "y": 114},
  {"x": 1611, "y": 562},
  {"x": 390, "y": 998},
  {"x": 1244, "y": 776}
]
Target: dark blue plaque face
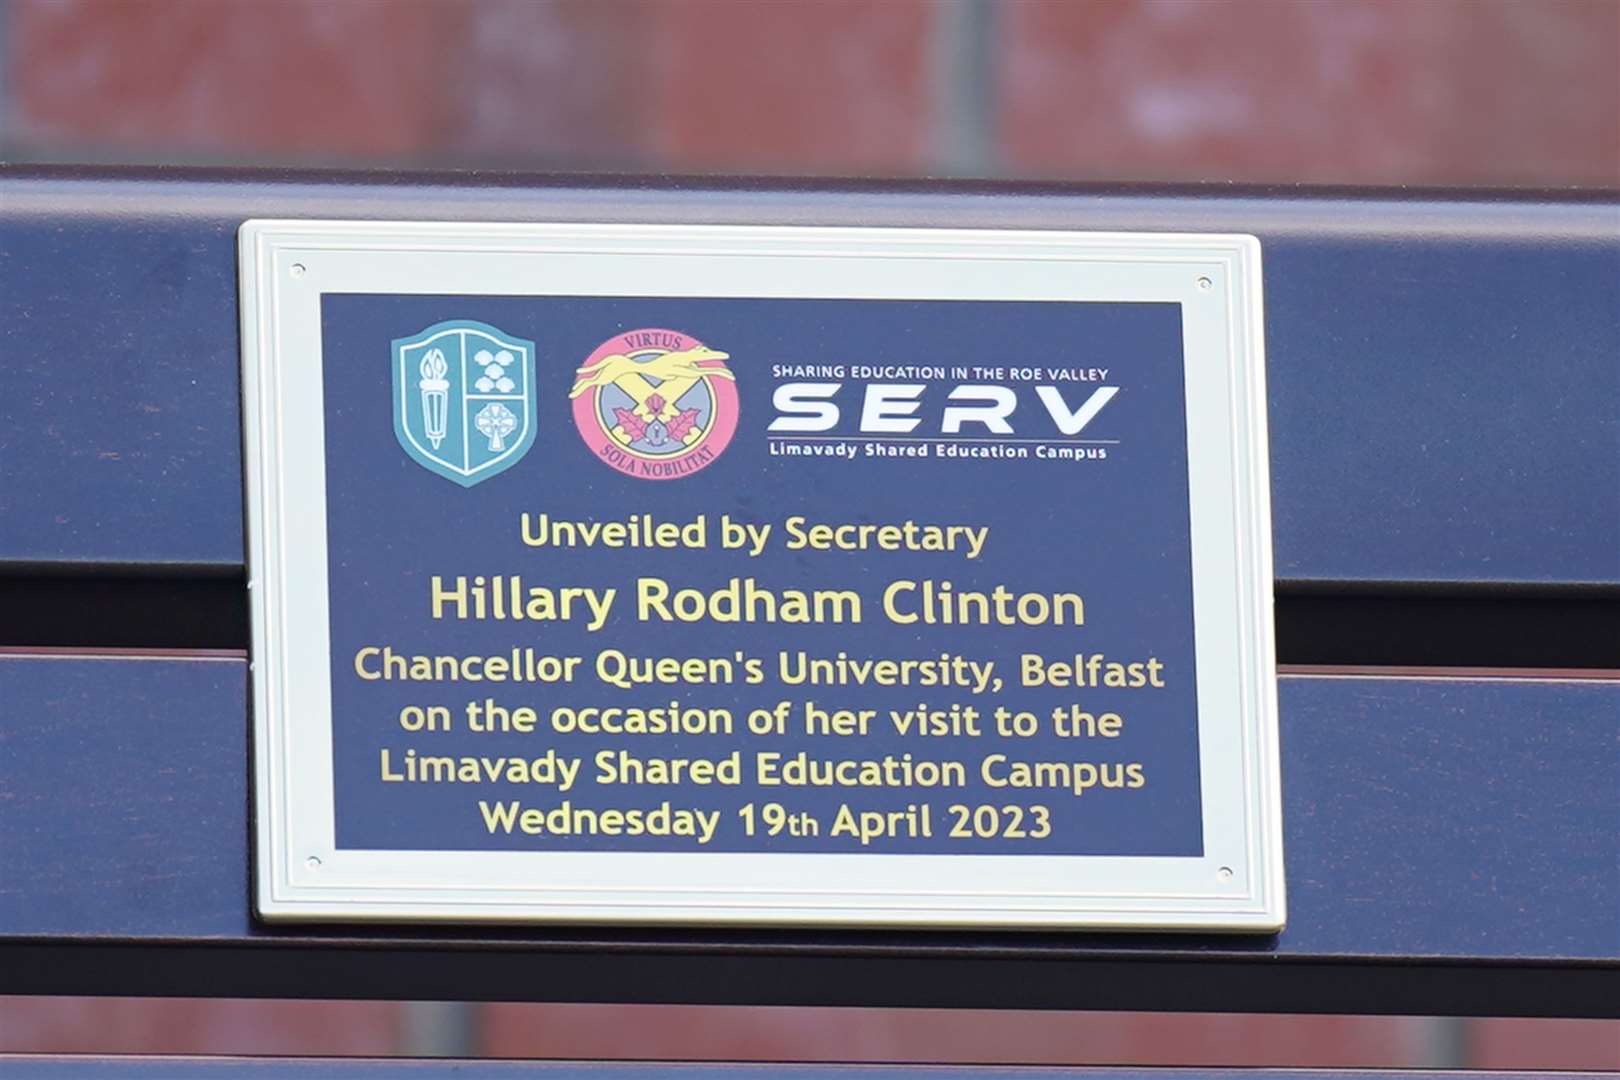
[{"x": 982, "y": 507}]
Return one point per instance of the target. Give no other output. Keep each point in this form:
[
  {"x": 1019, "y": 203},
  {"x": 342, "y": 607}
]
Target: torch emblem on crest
[
  {"x": 435, "y": 395},
  {"x": 464, "y": 399}
]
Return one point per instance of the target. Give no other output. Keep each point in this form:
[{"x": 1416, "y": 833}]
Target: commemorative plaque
[{"x": 676, "y": 574}]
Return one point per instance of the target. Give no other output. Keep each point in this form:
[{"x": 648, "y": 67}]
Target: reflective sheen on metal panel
[{"x": 672, "y": 574}]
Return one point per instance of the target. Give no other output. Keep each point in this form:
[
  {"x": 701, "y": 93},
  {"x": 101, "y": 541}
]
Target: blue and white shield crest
[{"x": 464, "y": 399}]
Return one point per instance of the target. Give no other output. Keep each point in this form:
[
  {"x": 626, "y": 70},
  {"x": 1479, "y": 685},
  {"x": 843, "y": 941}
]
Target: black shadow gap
[{"x": 1318, "y": 623}]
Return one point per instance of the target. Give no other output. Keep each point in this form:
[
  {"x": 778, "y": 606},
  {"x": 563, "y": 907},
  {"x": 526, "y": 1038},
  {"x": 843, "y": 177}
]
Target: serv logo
[{"x": 893, "y": 408}]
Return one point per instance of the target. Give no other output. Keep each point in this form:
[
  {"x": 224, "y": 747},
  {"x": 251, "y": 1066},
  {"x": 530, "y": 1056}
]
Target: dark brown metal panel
[
  {"x": 1445, "y": 402},
  {"x": 1450, "y": 845}
]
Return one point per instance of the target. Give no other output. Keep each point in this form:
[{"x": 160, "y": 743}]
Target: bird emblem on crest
[{"x": 655, "y": 403}]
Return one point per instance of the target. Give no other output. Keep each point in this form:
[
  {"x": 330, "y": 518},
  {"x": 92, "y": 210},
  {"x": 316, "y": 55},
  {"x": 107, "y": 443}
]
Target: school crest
[
  {"x": 655, "y": 404},
  {"x": 464, "y": 399}
]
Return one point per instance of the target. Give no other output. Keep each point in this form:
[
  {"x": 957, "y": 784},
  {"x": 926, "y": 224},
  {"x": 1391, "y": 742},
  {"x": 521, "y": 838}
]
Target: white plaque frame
[{"x": 300, "y": 875}]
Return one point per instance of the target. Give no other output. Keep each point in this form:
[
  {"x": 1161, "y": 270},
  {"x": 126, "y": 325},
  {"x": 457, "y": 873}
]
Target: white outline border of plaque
[{"x": 300, "y": 874}]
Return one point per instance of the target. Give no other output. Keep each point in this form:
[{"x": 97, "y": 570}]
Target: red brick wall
[
  {"x": 196, "y": 1026},
  {"x": 967, "y": 1036},
  {"x": 1323, "y": 91},
  {"x": 672, "y": 1033},
  {"x": 1426, "y": 92}
]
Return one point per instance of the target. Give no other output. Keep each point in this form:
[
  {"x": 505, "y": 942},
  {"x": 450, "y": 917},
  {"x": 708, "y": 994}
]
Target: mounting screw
[
  {"x": 313, "y": 862},
  {"x": 1224, "y": 873},
  {"x": 297, "y": 270},
  {"x": 1205, "y": 284}
]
